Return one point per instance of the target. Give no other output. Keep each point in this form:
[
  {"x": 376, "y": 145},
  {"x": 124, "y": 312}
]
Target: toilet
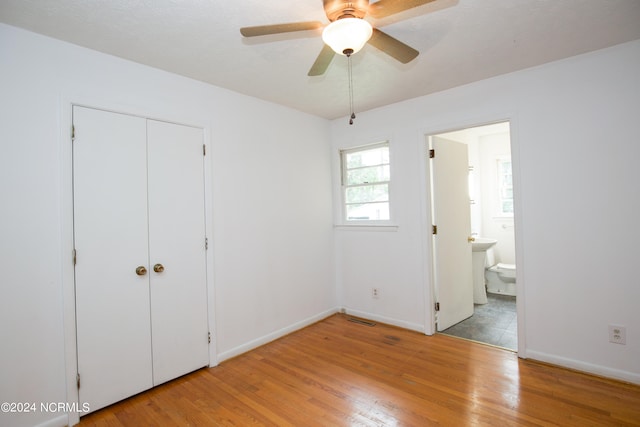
[{"x": 501, "y": 279}]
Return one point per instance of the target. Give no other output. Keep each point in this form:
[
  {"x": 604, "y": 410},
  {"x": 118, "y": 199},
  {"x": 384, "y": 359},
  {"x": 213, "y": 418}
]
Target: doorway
[{"x": 483, "y": 295}]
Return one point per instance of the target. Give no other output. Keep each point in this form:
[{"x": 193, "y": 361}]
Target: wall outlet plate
[{"x": 618, "y": 334}]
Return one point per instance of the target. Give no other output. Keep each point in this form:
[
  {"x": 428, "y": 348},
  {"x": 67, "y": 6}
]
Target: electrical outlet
[
  {"x": 375, "y": 293},
  {"x": 618, "y": 334}
]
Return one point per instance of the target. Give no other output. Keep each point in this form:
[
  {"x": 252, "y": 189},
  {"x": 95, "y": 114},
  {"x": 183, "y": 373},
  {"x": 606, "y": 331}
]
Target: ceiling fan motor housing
[{"x": 336, "y": 9}]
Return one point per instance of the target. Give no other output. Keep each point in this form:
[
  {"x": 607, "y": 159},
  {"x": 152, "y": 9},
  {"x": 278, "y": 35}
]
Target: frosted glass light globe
[{"x": 347, "y": 35}]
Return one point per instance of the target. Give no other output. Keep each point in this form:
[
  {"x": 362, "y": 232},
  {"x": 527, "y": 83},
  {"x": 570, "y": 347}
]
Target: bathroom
[{"x": 491, "y": 213}]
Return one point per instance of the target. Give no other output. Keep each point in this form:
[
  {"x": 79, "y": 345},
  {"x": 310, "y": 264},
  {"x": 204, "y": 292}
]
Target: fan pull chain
[{"x": 353, "y": 115}]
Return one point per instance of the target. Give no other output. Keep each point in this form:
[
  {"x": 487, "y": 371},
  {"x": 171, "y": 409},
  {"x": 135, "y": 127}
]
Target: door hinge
[
  {"x": 73, "y": 133},
  {"x": 206, "y": 243},
  {"x": 78, "y": 381},
  {"x": 204, "y": 150},
  {"x": 437, "y": 306},
  {"x": 209, "y": 337},
  {"x": 434, "y": 229},
  {"x": 75, "y": 257},
  {"x": 432, "y": 153}
]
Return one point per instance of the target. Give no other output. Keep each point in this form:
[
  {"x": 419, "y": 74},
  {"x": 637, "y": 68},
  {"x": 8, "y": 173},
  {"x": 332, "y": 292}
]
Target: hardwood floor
[{"x": 341, "y": 373}]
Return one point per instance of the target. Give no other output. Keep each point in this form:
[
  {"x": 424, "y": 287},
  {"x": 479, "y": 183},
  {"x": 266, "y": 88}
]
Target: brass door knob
[
  {"x": 471, "y": 239},
  {"x": 158, "y": 268},
  {"x": 141, "y": 271}
]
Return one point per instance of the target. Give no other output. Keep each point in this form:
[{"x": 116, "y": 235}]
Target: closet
[{"x": 140, "y": 253}]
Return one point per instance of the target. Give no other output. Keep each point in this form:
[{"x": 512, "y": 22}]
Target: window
[
  {"x": 505, "y": 188},
  {"x": 365, "y": 183}
]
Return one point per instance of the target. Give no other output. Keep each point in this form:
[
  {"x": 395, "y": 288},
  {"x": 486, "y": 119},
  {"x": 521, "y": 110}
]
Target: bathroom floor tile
[
  {"x": 508, "y": 340},
  {"x": 493, "y": 323}
]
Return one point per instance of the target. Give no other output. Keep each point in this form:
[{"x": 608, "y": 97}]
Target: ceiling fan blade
[
  {"x": 263, "y": 30},
  {"x": 384, "y": 8},
  {"x": 322, "y": 61},
  {"x": 392, "y": 47}
]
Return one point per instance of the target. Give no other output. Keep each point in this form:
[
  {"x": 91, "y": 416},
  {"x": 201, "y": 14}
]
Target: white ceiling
[{"x": 460, "y": 41}]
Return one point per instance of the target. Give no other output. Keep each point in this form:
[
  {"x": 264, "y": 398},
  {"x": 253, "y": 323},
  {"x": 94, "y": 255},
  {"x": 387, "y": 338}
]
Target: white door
[
  {"x": 452, "y": 250},
  {"x": 111, "y": 240},
  {"x": 177, "y": 242}
]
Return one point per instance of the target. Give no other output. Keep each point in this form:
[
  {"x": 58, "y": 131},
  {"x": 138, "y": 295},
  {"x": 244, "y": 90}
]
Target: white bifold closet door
[
  {"x": 138, "y": 203},
  {"x": 177, "y": 241}
]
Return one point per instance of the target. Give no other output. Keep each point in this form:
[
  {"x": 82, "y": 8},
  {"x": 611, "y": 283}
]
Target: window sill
[{"x": 367, "y": 227}]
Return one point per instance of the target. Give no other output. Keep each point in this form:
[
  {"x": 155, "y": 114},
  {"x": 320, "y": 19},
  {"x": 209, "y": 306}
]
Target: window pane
[
  {"x": 368, "y": 175},
  {"x": 367, "y": 193},
  {"x": 368, "y": 211},
  {"x": 505, "y": 186},
  {"x": 372, "y": 157},
  {"x": 365, "y": 181},
  {"x": 506, "y": 167}
]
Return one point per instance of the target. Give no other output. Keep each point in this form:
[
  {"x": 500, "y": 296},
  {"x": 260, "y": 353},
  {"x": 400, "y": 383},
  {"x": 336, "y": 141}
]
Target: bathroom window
[
  {"x": 505, "y": 188},
  {"x": 366, "y": 176}
]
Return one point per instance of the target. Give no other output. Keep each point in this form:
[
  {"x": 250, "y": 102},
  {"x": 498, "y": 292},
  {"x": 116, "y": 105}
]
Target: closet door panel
[
  {"x": 177, "y": 242},
  {"x": 111, "y": 239}
]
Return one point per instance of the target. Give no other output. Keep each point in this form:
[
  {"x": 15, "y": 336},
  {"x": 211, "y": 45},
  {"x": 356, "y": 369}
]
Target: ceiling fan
[{"x": 341, "y": 12}]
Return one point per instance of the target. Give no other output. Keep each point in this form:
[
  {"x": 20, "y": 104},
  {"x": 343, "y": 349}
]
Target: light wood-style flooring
[{"x": 340, "y": 373}]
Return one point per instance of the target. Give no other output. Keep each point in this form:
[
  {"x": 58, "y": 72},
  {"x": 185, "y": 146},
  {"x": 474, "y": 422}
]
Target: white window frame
[
  {"x": 502, "y": 185},
  {"x": 344, "y": 186}
]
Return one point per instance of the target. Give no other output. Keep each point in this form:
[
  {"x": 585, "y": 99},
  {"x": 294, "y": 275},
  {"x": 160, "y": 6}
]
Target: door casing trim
[{"x": 427, "y": 220}]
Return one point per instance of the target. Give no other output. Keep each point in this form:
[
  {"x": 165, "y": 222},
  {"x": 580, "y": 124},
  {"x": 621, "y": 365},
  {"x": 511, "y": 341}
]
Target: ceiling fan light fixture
[{"x": 347, "y": 36}]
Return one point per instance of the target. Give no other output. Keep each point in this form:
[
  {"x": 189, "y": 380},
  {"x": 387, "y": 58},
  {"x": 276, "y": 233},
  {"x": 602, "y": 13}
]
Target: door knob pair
[{"x": 141, "y": 271}]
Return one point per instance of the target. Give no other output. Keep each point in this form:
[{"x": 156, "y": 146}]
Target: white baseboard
[
  {"x": 274, "y": 335},
  {"x": 590, "y": 368},
  {"x": 387, "y": 320}
]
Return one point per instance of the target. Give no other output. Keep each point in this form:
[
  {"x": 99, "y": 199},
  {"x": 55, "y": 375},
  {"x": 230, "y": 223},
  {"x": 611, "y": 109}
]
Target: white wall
[
  {"x": 574, "y": 130},
  {"x": 270, "y": 186},
  {"x": 494, "y": 225}
]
